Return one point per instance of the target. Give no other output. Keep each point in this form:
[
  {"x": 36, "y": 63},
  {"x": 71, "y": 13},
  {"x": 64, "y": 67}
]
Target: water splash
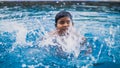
[
  {"x": 19, "y": 29},
  {"x": 20, "y": 33}
]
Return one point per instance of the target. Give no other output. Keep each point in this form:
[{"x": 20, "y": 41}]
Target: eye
[
  {"x": 68, "y": 22},
  {"x": 61, "y": 22}
]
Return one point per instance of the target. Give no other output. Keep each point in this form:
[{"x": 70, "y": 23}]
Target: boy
[{"x": 64, "y": 36}]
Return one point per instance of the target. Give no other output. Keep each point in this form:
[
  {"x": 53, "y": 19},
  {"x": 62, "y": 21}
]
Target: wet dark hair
[{"x": 62, "y": 14}]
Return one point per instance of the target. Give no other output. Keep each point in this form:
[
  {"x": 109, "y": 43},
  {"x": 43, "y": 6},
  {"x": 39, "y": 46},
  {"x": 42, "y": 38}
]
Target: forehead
[{"x": 64, "y": 19}]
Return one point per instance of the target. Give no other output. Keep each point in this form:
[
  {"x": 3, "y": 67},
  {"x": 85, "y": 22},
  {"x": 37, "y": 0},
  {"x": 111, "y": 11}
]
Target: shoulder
[
  {"x": 49, "y": 35},
  {"x": 52, "y": 33},
  {"x": 81, "y": 37}
]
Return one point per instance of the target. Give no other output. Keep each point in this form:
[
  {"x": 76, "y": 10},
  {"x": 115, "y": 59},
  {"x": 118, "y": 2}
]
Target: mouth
[
  {"x": 64, "y": 28},
  {"x": 63, "y": 31}
]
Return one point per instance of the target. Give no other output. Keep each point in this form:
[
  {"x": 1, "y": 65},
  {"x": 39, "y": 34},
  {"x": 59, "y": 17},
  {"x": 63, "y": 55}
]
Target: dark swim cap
[{"x": 62, "y": 14}]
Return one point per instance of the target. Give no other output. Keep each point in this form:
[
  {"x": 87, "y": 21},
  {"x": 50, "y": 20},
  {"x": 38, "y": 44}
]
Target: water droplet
[{"x": 23, "y": 65}]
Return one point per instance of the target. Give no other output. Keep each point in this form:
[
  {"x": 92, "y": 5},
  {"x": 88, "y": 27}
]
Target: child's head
[
  {"x": 62, "y": 14},
  {"x": 63, "y": 21}
]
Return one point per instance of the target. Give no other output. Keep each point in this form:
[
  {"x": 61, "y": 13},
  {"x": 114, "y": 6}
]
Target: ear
[
  {"x": 72, "y": 24},
  {"x": 55, "y": 24}
]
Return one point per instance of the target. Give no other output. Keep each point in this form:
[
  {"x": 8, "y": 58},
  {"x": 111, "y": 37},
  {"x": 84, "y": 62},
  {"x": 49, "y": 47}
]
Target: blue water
[{"x": 21, "y": 27}]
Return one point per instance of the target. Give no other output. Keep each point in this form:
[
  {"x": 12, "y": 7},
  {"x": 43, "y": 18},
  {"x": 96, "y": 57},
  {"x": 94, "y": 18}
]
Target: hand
[{"x": 83, "y": 41}]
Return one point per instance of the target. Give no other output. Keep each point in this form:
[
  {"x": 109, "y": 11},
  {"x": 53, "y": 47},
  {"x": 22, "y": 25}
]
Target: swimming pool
[{"x": 22, "y": 23}]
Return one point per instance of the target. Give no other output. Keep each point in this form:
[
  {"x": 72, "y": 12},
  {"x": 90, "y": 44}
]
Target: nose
[{"x": 66, "y": 24}]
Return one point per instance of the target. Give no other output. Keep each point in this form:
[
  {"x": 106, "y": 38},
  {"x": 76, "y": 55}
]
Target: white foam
[
  {"x": 18, "y": 28},
  {"x": 69, "y": 43}
]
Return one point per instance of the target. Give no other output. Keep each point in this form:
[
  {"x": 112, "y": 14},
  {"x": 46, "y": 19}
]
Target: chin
[{"x": 63, "y": 33}]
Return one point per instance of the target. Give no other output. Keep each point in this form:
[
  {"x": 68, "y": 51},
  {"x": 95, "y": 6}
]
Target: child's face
[{"x": 63, "y": 24}]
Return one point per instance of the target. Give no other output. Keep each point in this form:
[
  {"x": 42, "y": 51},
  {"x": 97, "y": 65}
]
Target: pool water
[{"x": 23, "y": 23}]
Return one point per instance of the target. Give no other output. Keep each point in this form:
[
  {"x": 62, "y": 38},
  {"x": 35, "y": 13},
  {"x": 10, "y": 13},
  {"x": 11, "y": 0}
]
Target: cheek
[
  {"x": 70, "y": 24},
  {"x": 58, "y": 26}
]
